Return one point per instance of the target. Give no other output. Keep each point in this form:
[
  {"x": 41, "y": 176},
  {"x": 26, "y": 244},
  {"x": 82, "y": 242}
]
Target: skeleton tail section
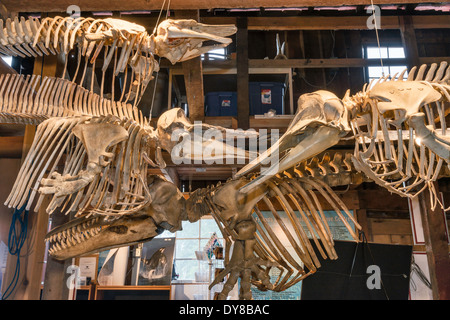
[
  {"x": 32, "y": 99},
  {"x": 32, "y": 37}
]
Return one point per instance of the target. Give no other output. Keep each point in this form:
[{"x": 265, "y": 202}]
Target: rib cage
[
  {"x": 59, "y": 35},
  {"x": 32, "y": 37},
  {"x": 298, "y": 195},
  {"x": 27, "y": 100},
  {"x": 119, "y": 189},
  {"x": 403, "y": 165}
]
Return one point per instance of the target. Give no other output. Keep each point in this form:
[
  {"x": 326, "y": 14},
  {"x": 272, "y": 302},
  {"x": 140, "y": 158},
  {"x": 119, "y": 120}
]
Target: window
[
  {"x": 215, "y": 54},
  {"x": 193, "y": 237},
  {"x": 389, "y": 55}
]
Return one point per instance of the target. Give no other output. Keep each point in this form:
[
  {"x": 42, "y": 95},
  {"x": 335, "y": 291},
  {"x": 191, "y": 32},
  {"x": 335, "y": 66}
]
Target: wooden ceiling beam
[
  {"x": 120, "y": 5},
  {"x": 331, "y": 23},
  {"x": 301, "y": 63}
]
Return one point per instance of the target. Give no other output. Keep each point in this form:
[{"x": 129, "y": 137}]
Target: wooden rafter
[
  {"x": 101, "y": 5},
  {"x": 318, "y": 22}
]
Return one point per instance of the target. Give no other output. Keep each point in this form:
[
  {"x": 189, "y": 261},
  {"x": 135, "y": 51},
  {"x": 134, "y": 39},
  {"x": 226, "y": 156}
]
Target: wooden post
[
  {"x": 56, "y": 272},
  {"x": 436, "y": 241},
  {"x": 323, "y": 74},
  {"x": 45, "y": 66},
  {"x": 436, "y": 245},
  {"x": 242, "y": 74},
  {"x": 172, "y": 172},
  {"x": 409, "y": 40},
  {"x": 193, "y": 76},
  {"x": 361, "y": 217},
  {"x": 354, "y": 45},
  {"x": 193, "y": 79},
  {"x": 30, "y": 277}
]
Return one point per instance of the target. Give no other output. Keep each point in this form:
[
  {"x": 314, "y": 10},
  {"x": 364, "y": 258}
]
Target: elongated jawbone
[{"x": 89, "y": 235}]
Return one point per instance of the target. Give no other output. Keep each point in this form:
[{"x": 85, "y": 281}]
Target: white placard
[
  {"x": 88, "y": 267},
  {"x": 416, "y": 221},
  {"x": 418, "y": 290}
]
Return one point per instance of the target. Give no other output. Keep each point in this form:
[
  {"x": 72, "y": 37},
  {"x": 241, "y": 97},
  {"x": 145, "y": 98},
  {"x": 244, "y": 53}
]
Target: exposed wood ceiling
[{"x": 118, "y": 5}]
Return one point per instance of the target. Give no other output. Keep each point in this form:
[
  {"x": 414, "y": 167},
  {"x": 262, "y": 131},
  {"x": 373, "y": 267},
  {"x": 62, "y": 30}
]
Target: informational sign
[
  {"x": 419, "y": 286},
  {"x": 211, "y": 245},
  {"x": 337, "y": 229},
  {"x": 87, "y": 270},
  {"x": 88, "y": 267}
]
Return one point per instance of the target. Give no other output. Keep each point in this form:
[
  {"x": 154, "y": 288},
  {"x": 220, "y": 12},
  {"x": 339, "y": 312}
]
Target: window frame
[
  {"x": 388, "y": 62},
  {"x": 200, "y": 244}
]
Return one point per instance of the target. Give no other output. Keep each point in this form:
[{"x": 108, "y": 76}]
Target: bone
[
  {"x": 306, "y": 249},
  {"x": 296, "y": 200},
  {"x": 283, "y": 257},
  {"x": 430, "y": 72},
  {"x": 107, "y": 176},
  {"x": 440, "y": 73}
]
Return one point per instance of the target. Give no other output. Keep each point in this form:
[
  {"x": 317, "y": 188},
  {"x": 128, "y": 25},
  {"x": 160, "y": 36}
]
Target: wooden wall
[
  {"x": 390, "y": 231},
  {"x": 9, "y": 168}
]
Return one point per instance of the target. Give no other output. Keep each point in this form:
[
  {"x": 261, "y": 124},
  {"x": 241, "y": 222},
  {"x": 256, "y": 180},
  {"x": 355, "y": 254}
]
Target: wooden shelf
[{"x": 221, "y": 67}]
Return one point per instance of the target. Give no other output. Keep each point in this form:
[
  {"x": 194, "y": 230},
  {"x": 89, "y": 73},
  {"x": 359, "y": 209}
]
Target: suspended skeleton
[
  {"x": 91, "y": 152},
  {"x": 322, "y": 119},
  {"x": 399, "y": 127},
  {"x": 409, "y": 161},
  {"x": 75, "y": 114}
]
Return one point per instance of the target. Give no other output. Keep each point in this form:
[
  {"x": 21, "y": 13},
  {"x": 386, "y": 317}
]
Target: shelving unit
[{"x": 226, "y": 68}]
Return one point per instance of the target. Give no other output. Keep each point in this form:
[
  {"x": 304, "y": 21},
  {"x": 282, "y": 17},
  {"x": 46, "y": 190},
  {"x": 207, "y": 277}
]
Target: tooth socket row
[{"x": 73, "y": 236}]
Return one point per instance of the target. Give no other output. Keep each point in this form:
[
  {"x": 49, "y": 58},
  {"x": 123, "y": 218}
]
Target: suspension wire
[
  {"x": 373, "y": 260},
  {"x": 159, "y": 60},
  {"x": 378, "y": 37},
  {"x": 159, "y": 17},
  {"x": 154, "y": 91}
]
